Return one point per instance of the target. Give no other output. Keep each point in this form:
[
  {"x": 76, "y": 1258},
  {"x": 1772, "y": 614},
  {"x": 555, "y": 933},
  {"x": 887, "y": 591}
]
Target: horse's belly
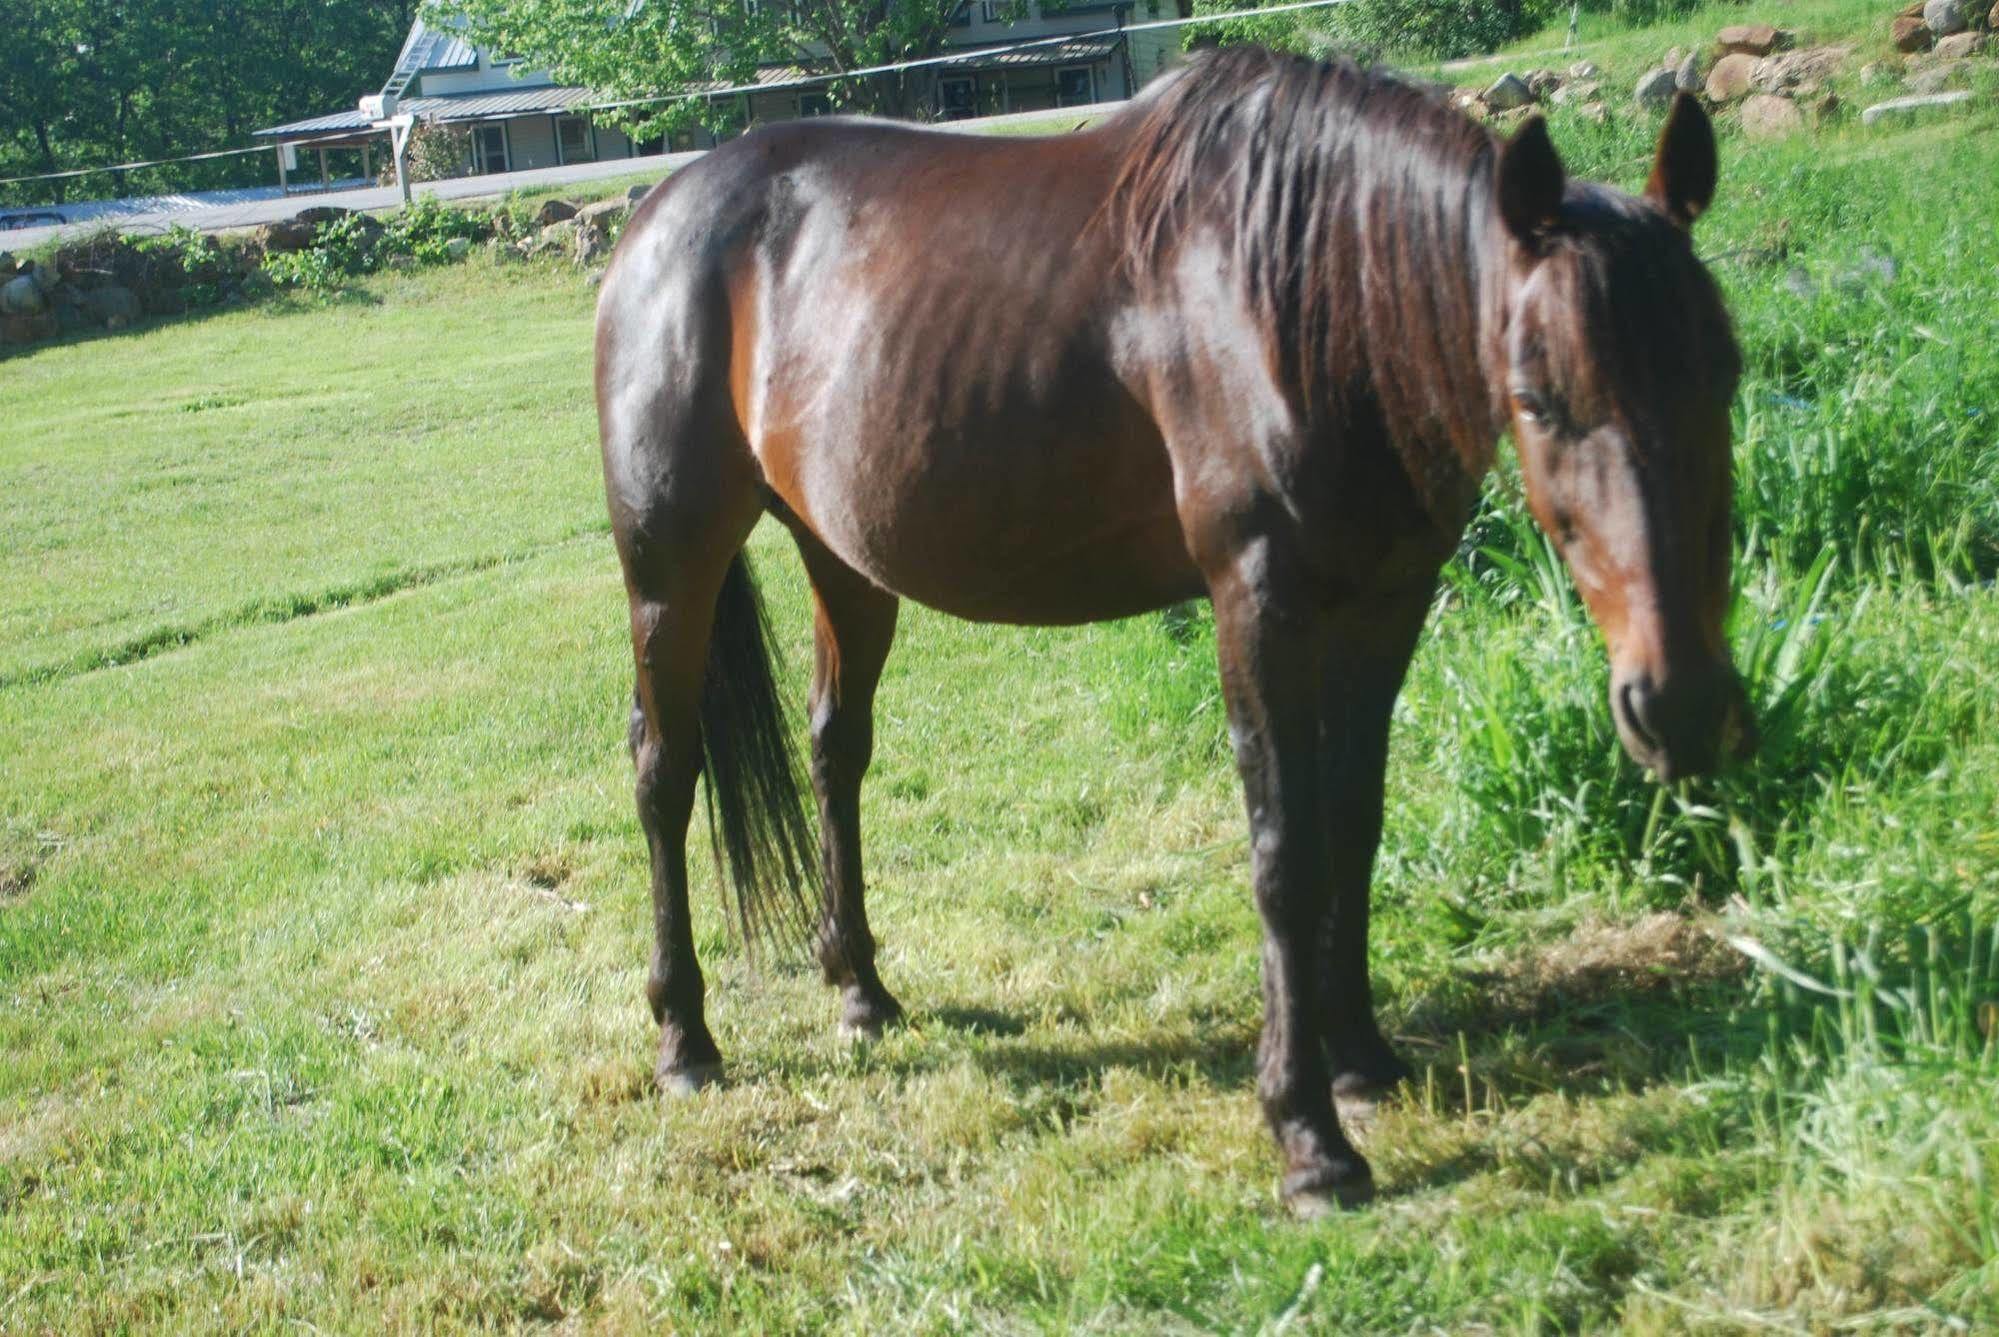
[{"x": 1075, "y": 532}]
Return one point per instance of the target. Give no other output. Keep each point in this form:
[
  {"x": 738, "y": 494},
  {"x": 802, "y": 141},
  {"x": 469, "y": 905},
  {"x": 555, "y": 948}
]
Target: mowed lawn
[{"x": 323, "y": 916}]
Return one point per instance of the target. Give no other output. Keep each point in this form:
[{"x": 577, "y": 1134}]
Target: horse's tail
[{"x": 765, "y": 847}]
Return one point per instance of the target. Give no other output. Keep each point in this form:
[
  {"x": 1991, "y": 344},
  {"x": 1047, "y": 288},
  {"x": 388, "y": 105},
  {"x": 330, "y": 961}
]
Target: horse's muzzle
[{"x": 1683, "y": 724}]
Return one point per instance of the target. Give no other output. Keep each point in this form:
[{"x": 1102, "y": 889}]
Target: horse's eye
[{"x": 1529, "y": 404}]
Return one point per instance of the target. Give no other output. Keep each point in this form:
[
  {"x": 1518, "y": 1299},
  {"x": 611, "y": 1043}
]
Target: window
[
  {"x": 1075, "y": 86},
  {"x": 961, "y": 17},
  {"x": 815, "y": 104},
  {"x": 955, "y": 97},
  {"x": 1002, "y": 11},
  {"x": 489, "y": 147},
  {"x": 575, "y": 140}
]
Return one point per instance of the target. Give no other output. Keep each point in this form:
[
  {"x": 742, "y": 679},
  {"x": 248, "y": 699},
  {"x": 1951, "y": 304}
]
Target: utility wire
[{"x": 806, "y": 81}]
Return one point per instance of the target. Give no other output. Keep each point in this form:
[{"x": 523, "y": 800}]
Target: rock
[
  {"x": 554, "y": 211},
  {"x": 1909, "y": 35},
  {"x": 1876, "y": 72},
  {"x": 1798, "y": 71},
  {"x": 1945, "y": 17},
  {"x": 1936, "y": 78},
  {"x": 1687, "y": 78},
  {"x": 319, "y": 215},
  {"x": 1992, "y": 19},
  {"x": 1595, "y": 112},
  {"x": 1752, "y": 39},
  {"x": 111, "y": 302},
  {"x": 1542, "y": 82},
  {"x": 637, "y": 193},
  {"x": 1674, "y": 55},
  {"x": 27, "y": 329},
  {"x": 1655, "y": 91},
  {"x": 1584, "y": 69},
  {"x": 1507, "y": 92},
  {"x": 1896, "y": 107},
  {"x": 1570, "y": 94},
  {"x": 1958, "y": 46},
  {"x": 1506, "y": 122},
  {"x": 590, "y": 244},
  {"x": 1767, "y": 116},
  {"x": 278, "y": 238},
  {"x": 602, "y": 212},
  {"x": 21, "y": 296},
  {"x": 457, "y": 248},
  {"x": 1825, "y": 108},
  {"x": 1733, "y": 76}
]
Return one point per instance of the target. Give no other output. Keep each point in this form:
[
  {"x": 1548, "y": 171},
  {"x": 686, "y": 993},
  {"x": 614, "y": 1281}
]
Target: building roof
[
  {"x": 428, "y": 48},
  {"x": 544, "y": 98},
  {"x": 548, "y": 98}
]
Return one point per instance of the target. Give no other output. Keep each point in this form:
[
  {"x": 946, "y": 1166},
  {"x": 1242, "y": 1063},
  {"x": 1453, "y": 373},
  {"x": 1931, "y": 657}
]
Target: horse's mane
[{"x": 1357, "y": 212}]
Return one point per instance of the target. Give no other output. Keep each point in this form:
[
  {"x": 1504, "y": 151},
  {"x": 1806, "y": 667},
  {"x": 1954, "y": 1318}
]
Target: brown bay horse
[{"x": 1252, "y": 339}]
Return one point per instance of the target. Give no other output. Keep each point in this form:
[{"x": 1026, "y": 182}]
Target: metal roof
[
  {"x": 428, "y": 48},
  {"x": 1055, "y": 53},
  {"x": 447, "y": 108}
]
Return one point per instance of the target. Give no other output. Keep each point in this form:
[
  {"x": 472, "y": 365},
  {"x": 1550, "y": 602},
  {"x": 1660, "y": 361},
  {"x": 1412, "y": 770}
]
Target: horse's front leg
[
  {"x": 1271, "y": 638},
  {"x": 1368, "y": 655}
]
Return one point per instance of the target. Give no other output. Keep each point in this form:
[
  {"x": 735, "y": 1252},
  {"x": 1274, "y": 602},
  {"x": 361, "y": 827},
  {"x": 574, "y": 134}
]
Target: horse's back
[{"x": 908, "y": 336}]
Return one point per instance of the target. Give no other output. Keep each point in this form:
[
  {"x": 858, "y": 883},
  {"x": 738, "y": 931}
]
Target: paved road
[{"x": 248, "y": 213}]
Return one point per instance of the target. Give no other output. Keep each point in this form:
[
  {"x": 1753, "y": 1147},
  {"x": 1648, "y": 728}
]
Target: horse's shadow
[{"x": 1578, "y": 1039}]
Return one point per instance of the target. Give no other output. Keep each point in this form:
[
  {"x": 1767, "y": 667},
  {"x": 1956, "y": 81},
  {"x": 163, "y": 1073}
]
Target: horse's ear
[
  {"x": 1683, "y": 171},
  {"x": 1530, "y": 182}
]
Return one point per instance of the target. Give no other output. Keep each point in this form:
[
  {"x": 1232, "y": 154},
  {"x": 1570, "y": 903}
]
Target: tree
[
  {"x": 649, "y": 48},
  {"x": 84, "y": 83}
]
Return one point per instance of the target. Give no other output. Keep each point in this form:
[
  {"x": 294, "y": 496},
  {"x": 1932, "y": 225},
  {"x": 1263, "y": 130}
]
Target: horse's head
[{"x": 1617, "y": 367}]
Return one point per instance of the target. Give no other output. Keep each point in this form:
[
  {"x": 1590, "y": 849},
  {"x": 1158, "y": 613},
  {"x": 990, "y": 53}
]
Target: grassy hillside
[{"x": 322, "y": 902}]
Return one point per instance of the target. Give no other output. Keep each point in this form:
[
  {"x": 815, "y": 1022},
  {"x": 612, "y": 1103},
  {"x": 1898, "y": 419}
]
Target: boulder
[
  {"x": 21, "y": 296},
  {"x": 27, "y": 329},
  {"x": 554, "y": 211},
  {"x": 1687, "y": 78},
  {"x": 1542, "y": 82},
  {"x": 1910, "y": 35},
  {"x": 1897, "y": 107},
  {"x": 1507, "y": 92},
  {"x": 590, "y": 244},
  {"x": 109, "y": 303},
  {"x": 277, "y": 238},
  {"x": 1655, "y": 91},
  {"x": 1594, "y": 112},
  {"x": 1936, "y": 78},
  {"x": 1752, "y": 39},
  {"x": 1798, "y": 71},
  {"x": 1584, "y": 69},
  {"x": 1733, "y": 76},
  {"x": 457, "y": 248},
  {"x": 1767, "y": 116},
  {"x": 320, "y": 214},
  {"x": 1945, "y": 17},
  {"x": 1568, "y": 95},
  {"x": 603, "y": 212},
  {"x": 1958, "y": 46}
]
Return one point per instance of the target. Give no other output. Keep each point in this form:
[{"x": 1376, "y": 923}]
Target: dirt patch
[
  {"x": 547, "y": 872},
  {"x": 22, "y": 857},
  {"x": 1596, "y": 964}
]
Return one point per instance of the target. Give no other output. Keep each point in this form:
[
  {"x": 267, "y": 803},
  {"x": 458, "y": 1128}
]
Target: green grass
[{"x": 322, "y": 901}]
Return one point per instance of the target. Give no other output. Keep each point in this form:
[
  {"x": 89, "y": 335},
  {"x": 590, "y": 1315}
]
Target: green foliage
[
  {"x": 83, "y": 84},
  {"x": 356, "y": 244}
]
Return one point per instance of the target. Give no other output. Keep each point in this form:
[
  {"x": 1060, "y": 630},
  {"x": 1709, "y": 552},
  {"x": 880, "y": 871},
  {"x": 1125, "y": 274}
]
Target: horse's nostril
[{"x": 1632, "y": 698}]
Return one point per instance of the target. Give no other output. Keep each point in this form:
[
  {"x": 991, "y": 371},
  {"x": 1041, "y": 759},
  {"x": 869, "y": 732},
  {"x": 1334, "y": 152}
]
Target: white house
[{"x": 521, "y": 118}]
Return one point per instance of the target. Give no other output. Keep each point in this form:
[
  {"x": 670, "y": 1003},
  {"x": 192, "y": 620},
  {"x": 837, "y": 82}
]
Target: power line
[{"x": 805, "y": 81}]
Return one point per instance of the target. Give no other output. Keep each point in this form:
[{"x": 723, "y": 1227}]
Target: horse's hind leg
[{"x": 853, "y": 627}]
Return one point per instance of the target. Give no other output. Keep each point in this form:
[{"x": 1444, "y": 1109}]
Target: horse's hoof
[
  {"x": 1318, "y": 1192},
  {"x": 687, "y": 1080},
  {"x": 863, "y": 1019}
]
